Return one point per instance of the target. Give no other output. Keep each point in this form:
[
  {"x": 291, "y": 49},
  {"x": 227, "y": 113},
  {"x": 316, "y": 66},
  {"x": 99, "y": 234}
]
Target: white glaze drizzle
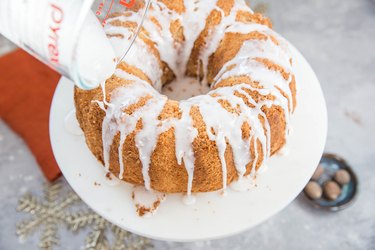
[
  {"x": 193, "y": 22},
  {"x": 222, "y": 126},
  {"x": 118, "y": 121},
  {"x": 163, "y": 37},
  {"x": 185, "y": 134},
  {"x": 136, "y": 56}
]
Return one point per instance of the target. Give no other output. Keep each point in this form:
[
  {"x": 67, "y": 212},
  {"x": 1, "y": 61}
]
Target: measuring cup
[{"x": 68, "y": 35}]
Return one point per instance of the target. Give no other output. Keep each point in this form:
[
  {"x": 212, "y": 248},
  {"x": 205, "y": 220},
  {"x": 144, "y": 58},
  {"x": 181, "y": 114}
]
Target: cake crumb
[
  {"x": 142, "y": 210},
  {"x": 355, "y": 117},
  {"x": 96, "y": 183},
  {"x": 108, "y": 175}
]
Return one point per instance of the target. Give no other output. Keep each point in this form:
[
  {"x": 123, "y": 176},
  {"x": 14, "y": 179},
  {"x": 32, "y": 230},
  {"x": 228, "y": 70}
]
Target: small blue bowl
[{"x": 331, "y": 163}]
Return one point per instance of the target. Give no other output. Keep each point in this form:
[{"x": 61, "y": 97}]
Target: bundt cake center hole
[{"x": 184, "y": 88}]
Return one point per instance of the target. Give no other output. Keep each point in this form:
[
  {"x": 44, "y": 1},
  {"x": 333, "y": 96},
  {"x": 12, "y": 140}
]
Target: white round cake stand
[{"x": 213, "y": 215}]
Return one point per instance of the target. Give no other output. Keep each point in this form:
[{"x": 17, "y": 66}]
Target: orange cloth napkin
[{"x": 26, "y": 90}]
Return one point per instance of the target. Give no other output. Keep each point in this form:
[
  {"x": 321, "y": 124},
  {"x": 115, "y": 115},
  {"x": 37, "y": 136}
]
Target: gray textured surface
[{"x": 338, "y": 39}]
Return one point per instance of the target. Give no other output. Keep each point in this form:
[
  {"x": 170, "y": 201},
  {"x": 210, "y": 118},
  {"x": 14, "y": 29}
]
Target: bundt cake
[{"x": 206, "y": 142}]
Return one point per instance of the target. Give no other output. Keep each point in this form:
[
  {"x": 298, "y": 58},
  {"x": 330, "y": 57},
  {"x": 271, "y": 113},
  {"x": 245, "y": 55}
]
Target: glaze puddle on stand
[{"x": 71, "y": 124}]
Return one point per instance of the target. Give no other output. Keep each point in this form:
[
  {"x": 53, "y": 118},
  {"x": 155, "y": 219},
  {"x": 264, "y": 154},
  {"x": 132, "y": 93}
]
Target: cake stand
[{"x": 213, "y": 215}]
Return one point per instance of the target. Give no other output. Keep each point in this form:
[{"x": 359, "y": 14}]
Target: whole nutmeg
[
  {"x": 331, "y": 190},
  {"x": 313, "y": 190},
  {"x": 342, "y": 177},
  {"x": 318, "y": 172}
]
